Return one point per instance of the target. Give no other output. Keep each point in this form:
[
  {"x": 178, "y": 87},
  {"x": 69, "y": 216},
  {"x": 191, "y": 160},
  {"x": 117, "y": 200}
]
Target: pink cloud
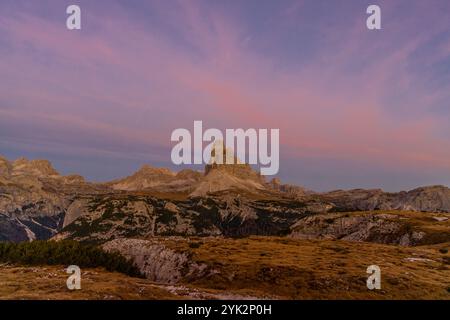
[{"x": 136, "y": 86}]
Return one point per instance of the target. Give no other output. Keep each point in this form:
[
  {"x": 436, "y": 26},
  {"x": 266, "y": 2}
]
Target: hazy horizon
[{"x": 200, "y": 168}]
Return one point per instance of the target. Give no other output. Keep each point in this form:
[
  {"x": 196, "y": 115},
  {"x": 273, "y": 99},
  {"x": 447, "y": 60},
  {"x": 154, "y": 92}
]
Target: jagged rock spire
[{"x": 220, "y": 154}]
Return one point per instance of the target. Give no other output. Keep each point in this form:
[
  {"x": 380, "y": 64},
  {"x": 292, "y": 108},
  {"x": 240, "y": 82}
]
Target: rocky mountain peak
[
  {"x": 146, "y": 170},
  {"x": 223, "y": 159},
  {"x": 220, "y": 154},
  {"x": 221, "y": 177},
  {"x": 226, "y": 172},
  {"x": 146, "y": 177},
  {"x": 23, "y": 166}
]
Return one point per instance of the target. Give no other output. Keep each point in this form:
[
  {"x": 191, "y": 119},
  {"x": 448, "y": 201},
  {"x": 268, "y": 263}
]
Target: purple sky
[{"x": 355, "y": 108}]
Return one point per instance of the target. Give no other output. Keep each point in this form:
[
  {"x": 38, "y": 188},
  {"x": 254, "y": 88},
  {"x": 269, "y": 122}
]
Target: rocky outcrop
[
  {"x": 12, "y": 230},
  {"x": 429, "y": 199},
  {"x": 76, "y": 209},
  {"x": 38, "y": 168},
  {"x": 144, "y": 178},
  {"x": 105, "y": 218},
  {"x": 426, "y": 199},
  {"x": 226, "y": 172},
  {"x": 237, "y": 177},
  {"x": 36, "y": 202},
  {"x": 289, "y": 189},
  {"x": 403, "y": 228},
  {"x": 35, "y": 211},
  {"x": 34, "y": 198},
  {"x": 156, "y": 261},
  {"x": 158, "y": 179}
]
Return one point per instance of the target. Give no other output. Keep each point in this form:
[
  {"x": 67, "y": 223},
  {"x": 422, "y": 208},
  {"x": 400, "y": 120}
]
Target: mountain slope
[
  {"x": 237, "y": 177},
  {"x": 36, "y": 202},
  {"x": 428, "y": 199},
  {"x": 161, "y": 179},
  {"x": 34, "y": 198}
]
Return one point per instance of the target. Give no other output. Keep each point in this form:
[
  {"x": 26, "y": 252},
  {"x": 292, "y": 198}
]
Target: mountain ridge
[{"x": 36, "y": 202}]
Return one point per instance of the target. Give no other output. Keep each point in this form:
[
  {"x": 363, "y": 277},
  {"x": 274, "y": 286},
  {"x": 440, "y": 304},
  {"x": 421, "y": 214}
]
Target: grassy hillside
[
  {"x": 49, "y": 282},
  {"x": 318, "y": 269},
  {"x": 260, "y": 267}
]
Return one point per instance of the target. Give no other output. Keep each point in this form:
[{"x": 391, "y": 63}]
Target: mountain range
[{"x": 36, "y": 202}]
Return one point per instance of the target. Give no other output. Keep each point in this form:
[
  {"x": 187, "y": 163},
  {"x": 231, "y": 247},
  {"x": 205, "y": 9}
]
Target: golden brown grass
[
  {"x": 306, "y": 269},
  {"x": 263, "y": 267},
  {"x": 49, "y": 282}
]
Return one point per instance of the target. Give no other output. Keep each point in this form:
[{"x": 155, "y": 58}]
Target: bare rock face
[
  {"x": 388, "y": 228},
  {"x": 27, "y": 201},
  {"x": 427, "y": 199},
  {"x": 216, "y": 178},
  {"x": 34, "y": 198},
  {"x": 237, "y": 177},
  {"x": 40, "y": 168},
  {"x": 12, "y": 230},
  {"x": 75, "y": 210},
  {"x": 156, "y": 261},
  {"x": 159, "y": 179},
  {"x": 104, "y": 218},
  {"x": 228, "y": 200},
  {"x": 144, "y": 178},
  {"x": 289, "y": 189},
  {"x": 226, "y": 172}
]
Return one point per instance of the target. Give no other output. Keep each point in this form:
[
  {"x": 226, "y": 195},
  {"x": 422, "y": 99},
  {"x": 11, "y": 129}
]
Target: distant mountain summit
[
  {"x": 25, "y": 167},
  {"x": 221, "y": 174},
  {"x": 429, "y": 199},
  {"x": 36, "y": 202},
  {"x": 157, "y": 179},
  {"x": 146, "y": 177},
  {"x": 215, "y": 178},
  {"x": 40, "y": 168},
  {"x": 34, "y": 198},
  {"x": 226, "y": 172},
  {"x": 236, "y": 177}
]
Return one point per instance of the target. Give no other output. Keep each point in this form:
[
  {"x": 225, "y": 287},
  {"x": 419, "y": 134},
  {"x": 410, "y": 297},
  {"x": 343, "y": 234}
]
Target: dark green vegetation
[
  {"x": 146, "y": 216},
  {"x": 66, "y": 252},
  {"x": 140, "y": 216}
]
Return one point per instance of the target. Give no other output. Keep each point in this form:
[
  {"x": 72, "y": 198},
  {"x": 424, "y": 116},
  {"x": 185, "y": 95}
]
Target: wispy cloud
[{"x": 125, "y": 82}]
